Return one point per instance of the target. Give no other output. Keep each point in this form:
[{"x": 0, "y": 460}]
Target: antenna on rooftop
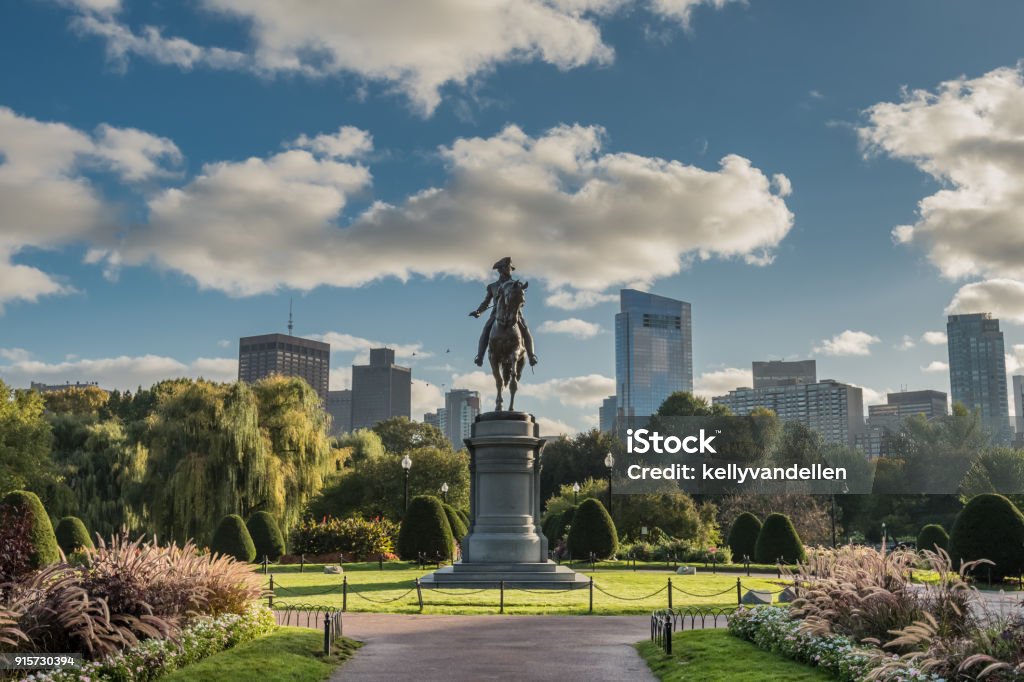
[{"x": 290, "y": 325}]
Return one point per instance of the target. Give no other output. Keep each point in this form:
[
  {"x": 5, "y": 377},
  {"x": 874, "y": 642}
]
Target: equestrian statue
[{"x": 506, "y": 336}]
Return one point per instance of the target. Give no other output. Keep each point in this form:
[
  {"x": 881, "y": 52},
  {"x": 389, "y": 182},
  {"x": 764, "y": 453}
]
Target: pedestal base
[{"x": 505, "y": 541}]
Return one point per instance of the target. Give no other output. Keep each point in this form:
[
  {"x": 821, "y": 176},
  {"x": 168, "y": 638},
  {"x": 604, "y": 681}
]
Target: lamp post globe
[
  {"x": 406, "y": 465},
  {"x": 444, "y": 491},
  {"x": 575, "y": 492},
  {"x": 609, "y": 461}
]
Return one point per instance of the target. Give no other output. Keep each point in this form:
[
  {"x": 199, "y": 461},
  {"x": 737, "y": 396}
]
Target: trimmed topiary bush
[
  {"x": 989, "y": 527},
  {"x": 459, "y": 529},
  {"x": 232, "y": 539},
  {"x": 931, "y": 536},
  {"x": 72, "y": 536},
  {"x": 464, "y": 515},
  {"x": 778, "y": 539},
  {"x": 425, "y": 529},
  {"x": 44, "y": 549},
  {"x": 266, "y": 536},
  {"x": 743, "y": 536},
  {"x": 592, "y": 530}
]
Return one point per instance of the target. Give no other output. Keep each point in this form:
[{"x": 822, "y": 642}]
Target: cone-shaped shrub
[
  {"x": 266, "y": 536},
  {"x": 232, "y": 539},
  {"x": 459, "y": 529},
  {"x": 778, "y": 539},
  {"x": 44, "y": 543},
  {"x": 989, "y": 527},
  {"x": 592, "y": 531},
  {"x": 425, "y": 528},
  {"x": 72, "y": 535},
  {"x": 743, "y": 536},
  {"x": 464, "y": 516},
  {"x": 931, "y": 536}
]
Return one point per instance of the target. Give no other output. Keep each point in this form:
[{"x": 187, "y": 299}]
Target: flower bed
[{"x": 153, "y": 658}]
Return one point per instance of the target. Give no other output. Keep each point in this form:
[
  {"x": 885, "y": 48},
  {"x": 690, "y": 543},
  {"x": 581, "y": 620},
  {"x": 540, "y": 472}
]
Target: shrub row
[
  {"x": 154, "y": 658},
  {"x": 364, "y": 538}
]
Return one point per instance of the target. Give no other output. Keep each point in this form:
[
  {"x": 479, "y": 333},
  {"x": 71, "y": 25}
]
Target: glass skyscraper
[
  {"x": 977, "y": 369},
  {"x": 653, "y": 351}
]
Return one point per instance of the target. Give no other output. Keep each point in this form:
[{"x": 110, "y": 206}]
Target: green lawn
[
  {"x": 635, "y": 592},
  {"x": 717, "y": 656},
  {"x": 286, "y": 655}
]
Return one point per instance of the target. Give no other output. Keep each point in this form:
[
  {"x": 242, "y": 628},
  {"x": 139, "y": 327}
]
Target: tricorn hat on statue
[{"x": 505, "y": 262}]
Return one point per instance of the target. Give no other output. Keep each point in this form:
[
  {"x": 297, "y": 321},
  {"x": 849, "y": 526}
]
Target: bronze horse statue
[{"x": 505, "y": 347}]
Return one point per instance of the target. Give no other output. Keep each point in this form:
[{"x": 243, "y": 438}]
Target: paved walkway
[{"x": 400, "y": 648}]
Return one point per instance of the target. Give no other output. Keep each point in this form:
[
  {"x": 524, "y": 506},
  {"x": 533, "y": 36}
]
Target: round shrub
[
  {"x": 743, "y": 536},
  {"x": 931, "y": 536},
  {"x": 43, "y": 543},
  {"x": 459, "y": 529},
  {"x": 425, "y": 529},
  {"x": 266, "y": 536},
  {"x": 464, "y": 515},
  {"x": 778, "y": 539},
  {"x": 72, "y": 535},
  {"x": 989, "y": 527},
  {"x": 232, "y": 539},
  {"x": 592, "y": 530}
]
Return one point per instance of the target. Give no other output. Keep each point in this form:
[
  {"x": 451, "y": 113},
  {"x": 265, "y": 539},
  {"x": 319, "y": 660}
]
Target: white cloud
[
  {"x": 224, "y": 343},
  {"x": 936, "y": 366},
  {"x": 871, "y": 396},
  {"x": 15, "y": 354},
  {"x": 47, "y": 198},
  {"x": 1015, "y": 359},
  {"x": 224, "y": 228},
  {"x": 906, "y": 344},
  {"x": 426, "y": 397},
  {"x": 968, "y": 136},
  {"x": 682, "y": 10},
  {"x": 554, "y": 427},
  {"x": 848, "y": 343},
  {"x": 1004, "y": 298},
  {"x": 576, "y": 300},
  {"x": 573, "y": 326},
  {"x": 348, "y": 142},
  {"x": 721, "y": 381},
  {"x": 122, "y": 372},
  {"x": 934, "y": 338},
  {"x": 340, "y": 378},
  {"x": 582, "y": 391},
  {"x": 347, "y": 343}
]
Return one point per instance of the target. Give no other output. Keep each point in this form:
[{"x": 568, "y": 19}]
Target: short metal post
[
  {"x": 501, "y": 587},
  {"x": 265, "y": 562},
  {"x": 591, "y": 594},
  {"x": 670, "y": 592},
  {"x": 989, "y": 576},
  {"x": 344, "y": 593},
  {"x": 270, "y": 596},
  {"x": 302, "y": 563},
  {"x": 419, "y": 594},
  {"x": 327, "y": 634},
  {"x": 668, "y": 636},
  {"x": 739, "y": 596}
]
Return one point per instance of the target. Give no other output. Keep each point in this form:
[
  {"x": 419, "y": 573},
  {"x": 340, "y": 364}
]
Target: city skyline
[{"x": 162, "y": 204}]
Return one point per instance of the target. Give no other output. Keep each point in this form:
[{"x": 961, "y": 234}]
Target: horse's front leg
[
  {"x": 496, "y": 371},
  {"x": 513, "y": 384}
]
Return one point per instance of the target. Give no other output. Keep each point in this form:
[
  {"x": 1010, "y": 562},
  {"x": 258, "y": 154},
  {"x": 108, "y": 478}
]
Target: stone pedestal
[{"x": 505, "y": 541}]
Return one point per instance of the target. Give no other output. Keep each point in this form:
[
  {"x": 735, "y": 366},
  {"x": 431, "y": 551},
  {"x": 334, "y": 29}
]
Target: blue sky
[{"x": 176, "y": 172}]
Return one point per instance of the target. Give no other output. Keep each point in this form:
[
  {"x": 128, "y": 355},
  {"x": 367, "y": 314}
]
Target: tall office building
[
  {"x": 653, "y": 351},
  {"x": 461, "y": 407},
  {"x": 438, "y": 420},
  {"x": 262, "y": 356},
  {"x": 380, "y": 390},
  {"x": 884, "y": 421},
  {"x": 781, "y": 373},
  {"x": 1018, "y": 405},
  {"x": 339, "y": 406},
  {"x": 607, "y": 413},
  {"x": 977, "y": 369},
  {"x": 833, "y": 409}
]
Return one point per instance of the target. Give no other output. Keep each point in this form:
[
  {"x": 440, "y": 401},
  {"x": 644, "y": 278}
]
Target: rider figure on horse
[{"x": 504, "y": 268}]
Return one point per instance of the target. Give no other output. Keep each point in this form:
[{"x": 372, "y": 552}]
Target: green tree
[
  {"x": 361, "y": 444},
  {"x": 231, "y": 538},
  {"x": 425, "y": 529},
  {"x": 777, "y": 540},
  {"x": 72, "y": 535},
  {"x": 743, "y": 536},
  {"x": 78, "y": 400},
  {"x": 592, "y": 531},
  {"x": 995, "y": 470},
  {"x": 400, "y": 435},
  {"x": 576, "y": 458},
  {"x": 686, "y": 404},
  {"x": 25, "y": 439},
  {"x": 23, "y": 503},
  {"x": 266, "y": 536},
  {"x": 989, "y": 527}
]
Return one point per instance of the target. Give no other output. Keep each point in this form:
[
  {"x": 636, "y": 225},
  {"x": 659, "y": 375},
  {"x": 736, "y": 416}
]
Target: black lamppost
[
  {"x": 575, "y": 492},
  {"x": 883, "y": 539},
  {"x": 609, "y": 462},
  {"x": 406, "y": 465},
  {"x": 444, "y": 491},
  {"x": 833, "y": 513}
]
